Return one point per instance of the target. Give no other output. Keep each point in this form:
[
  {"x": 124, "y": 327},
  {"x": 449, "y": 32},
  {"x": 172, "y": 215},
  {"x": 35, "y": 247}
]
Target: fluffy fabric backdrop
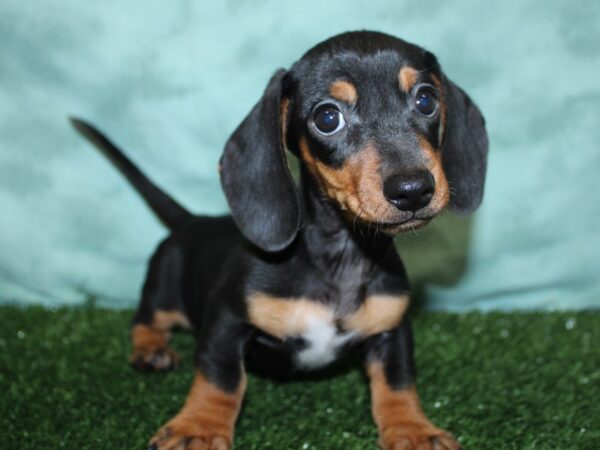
[{"x": 170, "y": 80}]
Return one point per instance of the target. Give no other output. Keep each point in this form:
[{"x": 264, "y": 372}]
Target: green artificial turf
[{"x": 498, "y": 381}]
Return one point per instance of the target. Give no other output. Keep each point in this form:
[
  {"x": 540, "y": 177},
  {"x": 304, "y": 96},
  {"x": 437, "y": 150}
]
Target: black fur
[
  {"x": 170, "y": 213},
  {"x": 255, "y": 178},
  {"x": 465, "y": 151}
]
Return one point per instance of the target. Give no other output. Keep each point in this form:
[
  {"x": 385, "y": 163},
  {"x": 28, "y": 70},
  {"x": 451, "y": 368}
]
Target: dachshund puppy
[{"x": 303, "y": 273}]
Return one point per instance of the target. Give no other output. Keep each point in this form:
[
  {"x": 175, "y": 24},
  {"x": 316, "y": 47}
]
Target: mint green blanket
[{"x": 170, "y": 80}]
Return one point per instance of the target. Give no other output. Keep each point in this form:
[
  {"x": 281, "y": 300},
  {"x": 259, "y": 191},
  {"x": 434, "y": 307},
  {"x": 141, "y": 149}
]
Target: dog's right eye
[
  {"x": 426, "y": 102},
  {"x": 328, "y": 119}
]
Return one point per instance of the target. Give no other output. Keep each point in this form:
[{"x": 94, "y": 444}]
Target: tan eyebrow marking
[
  {"x": 407, "y": 77},
  {"x": 343, "y": 91}
]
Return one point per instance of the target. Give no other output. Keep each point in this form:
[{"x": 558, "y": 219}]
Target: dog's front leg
[
  {"x": 206, "y": 421},
  {"x": 396, "y": 409}
]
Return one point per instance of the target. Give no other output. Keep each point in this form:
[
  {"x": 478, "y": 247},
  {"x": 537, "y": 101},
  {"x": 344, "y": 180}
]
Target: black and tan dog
[{"x": 302, "y": 274}]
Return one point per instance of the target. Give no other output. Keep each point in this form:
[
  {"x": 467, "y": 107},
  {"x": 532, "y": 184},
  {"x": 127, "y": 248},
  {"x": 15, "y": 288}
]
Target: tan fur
[
  {"x": 149, "y": 342},
  {"x": 343, "y": 91},
  {"x": 207, "y": 418},
  {"x": 148, "y": 338},
  {"x": 284, "y": 317},
  {"x": 434, "y": 165},
  {"x": 378, "y": 313},
  {"x": 166, "y": 320},
  {"x": 400, "y": 419},
  {"x": 357, "y": 186},
  {"x": 407, "y": 77}
]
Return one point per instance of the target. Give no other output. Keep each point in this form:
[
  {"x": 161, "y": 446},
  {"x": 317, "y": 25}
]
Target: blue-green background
[{"x": 170, "y": 80}]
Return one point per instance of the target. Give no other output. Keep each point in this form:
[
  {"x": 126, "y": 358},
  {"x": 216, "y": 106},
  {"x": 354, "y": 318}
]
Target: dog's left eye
[
  {"x": 426, "y": 102},
  {"x": 328, "y": 119}
]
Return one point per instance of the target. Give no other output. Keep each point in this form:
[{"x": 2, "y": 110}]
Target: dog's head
[{"x": 380, "y": 128}]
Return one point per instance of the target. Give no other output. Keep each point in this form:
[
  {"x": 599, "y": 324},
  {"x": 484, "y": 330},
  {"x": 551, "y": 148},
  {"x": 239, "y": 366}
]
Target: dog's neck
[{"x": 331, "y": 239}]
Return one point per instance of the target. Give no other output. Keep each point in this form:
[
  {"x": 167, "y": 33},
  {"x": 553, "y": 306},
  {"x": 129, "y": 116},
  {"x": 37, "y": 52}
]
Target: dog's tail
[{"x": 171, "y": 213}]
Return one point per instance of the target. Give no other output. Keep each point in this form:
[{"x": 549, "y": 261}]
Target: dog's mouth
[
  {"x": 413, "y": 223},
  {"x": 390, "y": 221},
  {"x": 391, "y": 227}
]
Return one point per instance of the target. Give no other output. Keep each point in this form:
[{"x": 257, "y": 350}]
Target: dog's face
[
  {"x": 381, "y": 130},
  {"x": 368, "y": 119}
]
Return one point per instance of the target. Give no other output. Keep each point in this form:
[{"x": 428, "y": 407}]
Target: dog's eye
[
  {"x": 328, "y": 120},
  {"x": 426, "y": 102}
]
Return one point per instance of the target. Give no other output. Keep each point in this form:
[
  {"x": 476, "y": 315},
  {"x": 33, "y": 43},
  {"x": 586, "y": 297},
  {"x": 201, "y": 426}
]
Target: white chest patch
[
  {"x": 315, "y": 323},
  {"x": 323, "y": 341}
]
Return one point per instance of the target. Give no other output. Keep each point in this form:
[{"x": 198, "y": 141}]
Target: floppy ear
[
  {"x": 464, "y": 152},
  {"x": 255, "y": 177}
]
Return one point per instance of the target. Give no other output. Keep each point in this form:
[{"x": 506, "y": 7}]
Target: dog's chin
[
  {"x": 401, "y": 227},
  {"x": 391, "y": 222},
  {"x": 392, "y": 228}
]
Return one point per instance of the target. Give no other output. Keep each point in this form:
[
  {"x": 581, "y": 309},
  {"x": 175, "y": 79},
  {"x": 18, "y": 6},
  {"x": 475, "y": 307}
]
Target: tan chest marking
[
  {"x": 377, "y": 314},
  {"x": 303, "y": 318},
  {"x": 283, "y": 318}
]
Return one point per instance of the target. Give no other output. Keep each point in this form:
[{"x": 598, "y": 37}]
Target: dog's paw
[
  {"x": 193, "y": 438},
  {"x": 154, "y": 360},
  {"x": 414, "y": 438}
]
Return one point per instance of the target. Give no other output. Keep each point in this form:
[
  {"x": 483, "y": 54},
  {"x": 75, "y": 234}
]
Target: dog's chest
[
  {"x": 316, "y": 332},
  {"x": 321, "y": 341}
]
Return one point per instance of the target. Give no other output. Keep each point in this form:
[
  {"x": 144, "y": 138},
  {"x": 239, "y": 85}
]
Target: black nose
[{"x": 409, "y": 192}]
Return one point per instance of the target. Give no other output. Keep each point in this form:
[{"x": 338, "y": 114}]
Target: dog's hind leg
[{"x": 160, "y": 310}]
